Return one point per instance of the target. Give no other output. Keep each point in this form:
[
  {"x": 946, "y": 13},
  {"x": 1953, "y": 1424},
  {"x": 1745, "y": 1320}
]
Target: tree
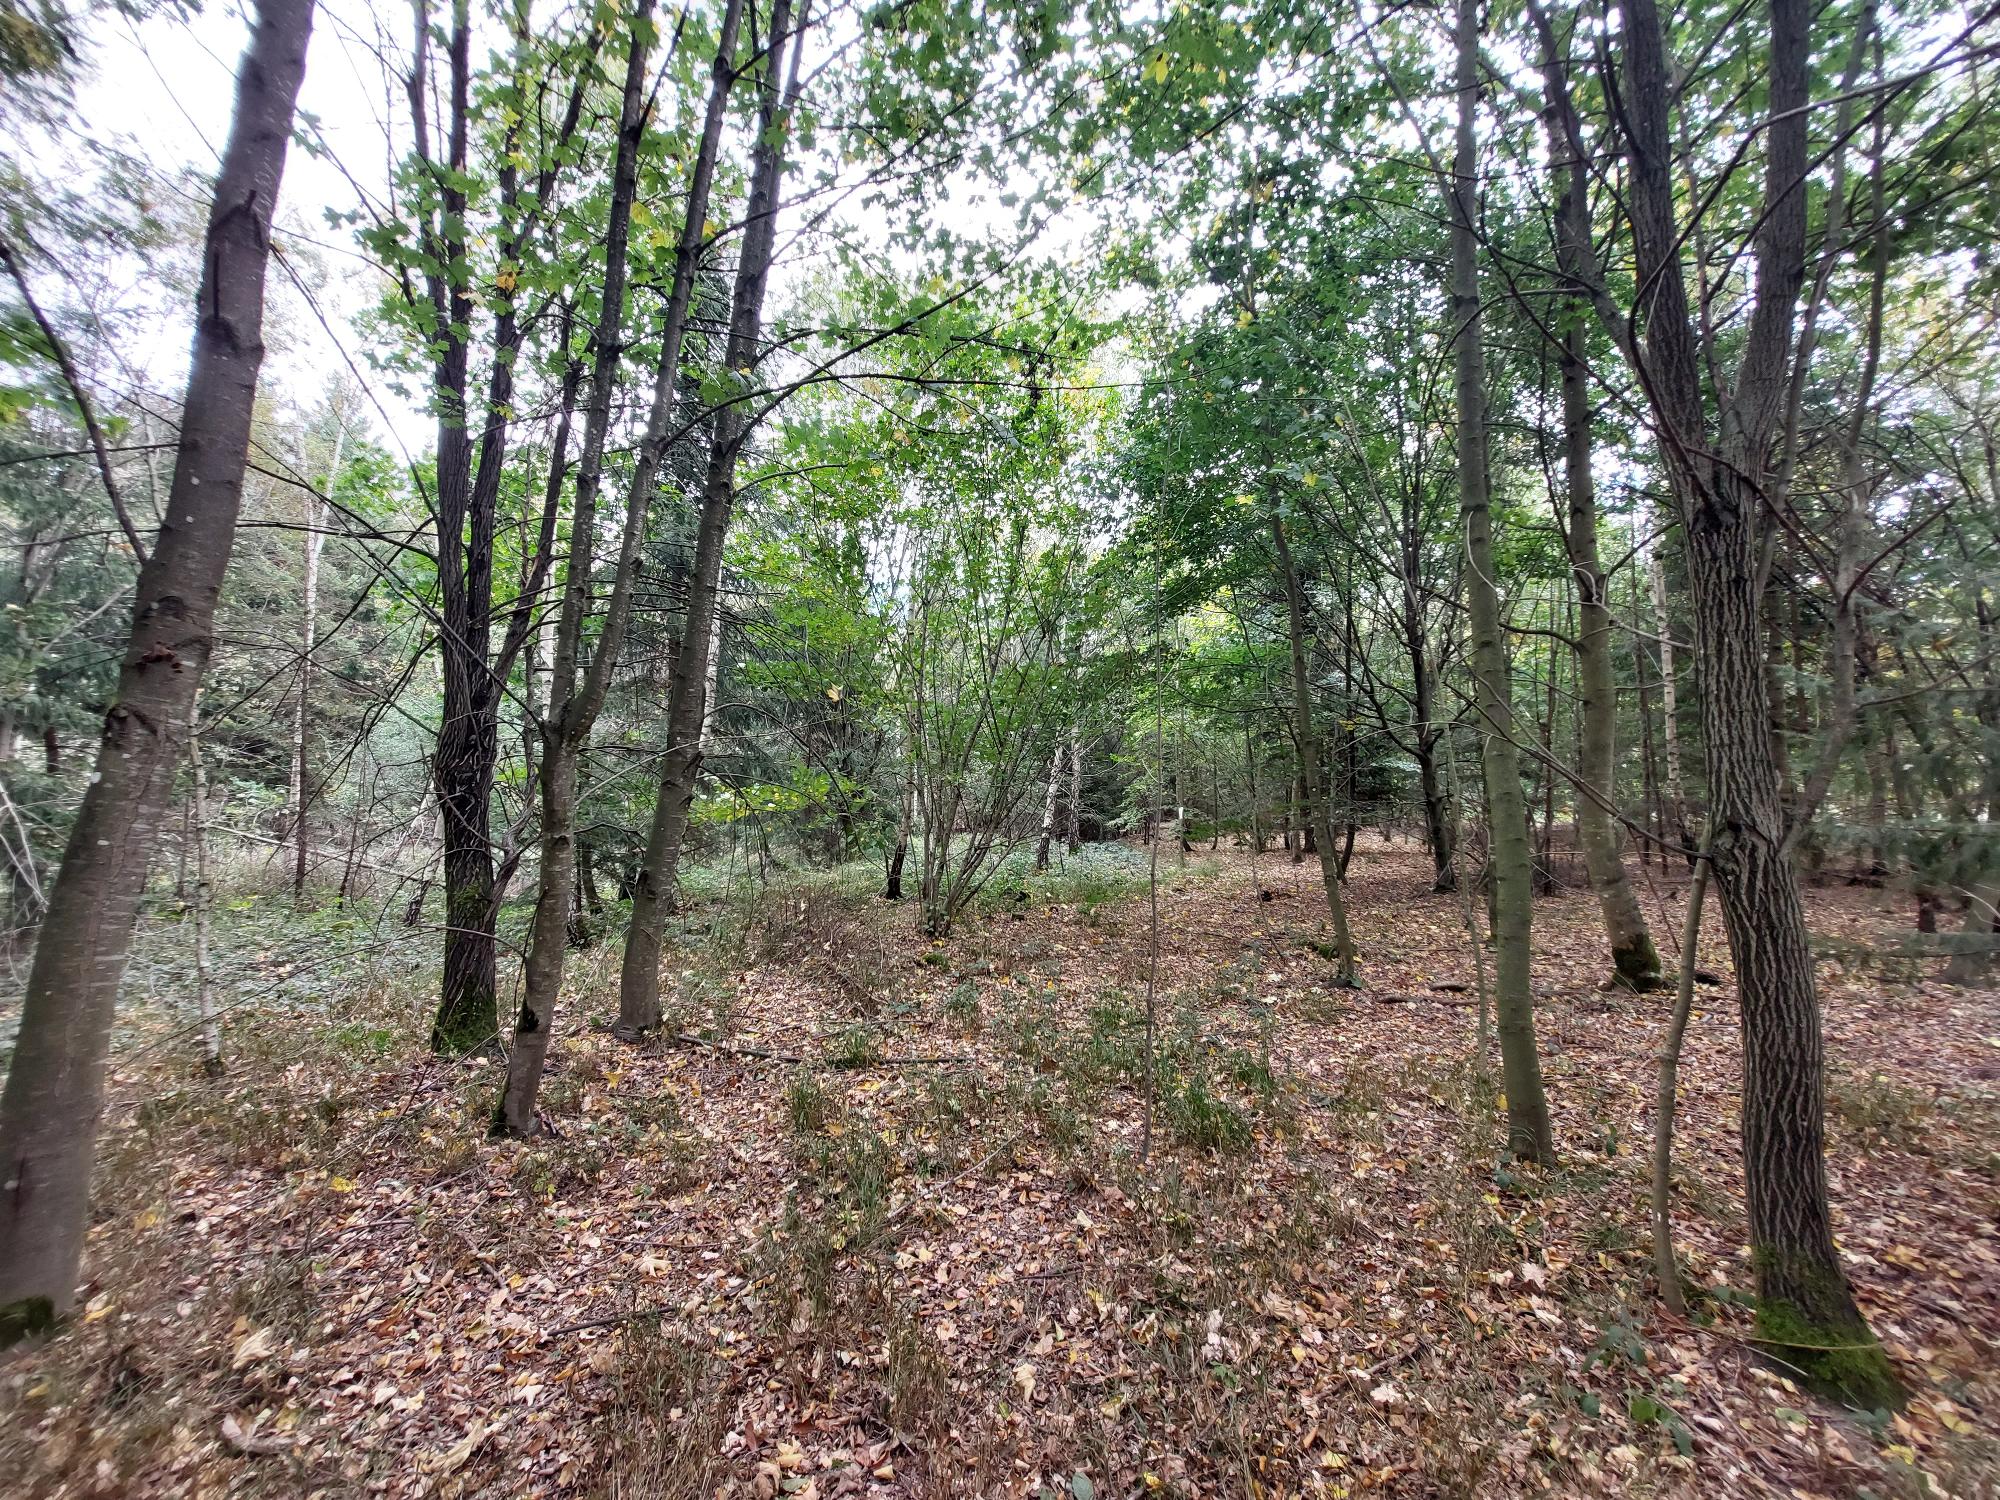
[
  {"x": 1528, "y": 1134},
  {"x": 55, "y": 1088},
  {"x": 1718, "y": 447}
]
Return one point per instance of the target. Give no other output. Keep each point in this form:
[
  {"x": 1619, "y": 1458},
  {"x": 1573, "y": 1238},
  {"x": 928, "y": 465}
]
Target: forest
[{"x": 1021, "y": 748}]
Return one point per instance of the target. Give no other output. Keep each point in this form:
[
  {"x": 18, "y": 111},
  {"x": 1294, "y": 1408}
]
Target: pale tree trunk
[
  {"x": 204, "y": 898},
  {"x": 1635, "y": 962},
  {"x": 1048, "y": 837},
  {"x": 1670, "y": 733},
  {"x": 1307, "y": 739},
  {"x": 687, "y": 710},
  {"x": 1528, "y": 1134},
  {"x": 308, "y": 645},
  {"x": 55, "y": 1088},
  {"x": 1806, "y": 1311},
  {"x": 1073, "y": 814}
]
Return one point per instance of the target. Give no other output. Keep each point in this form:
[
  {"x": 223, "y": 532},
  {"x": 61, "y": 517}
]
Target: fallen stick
[{"x": 688, "y": 1039}]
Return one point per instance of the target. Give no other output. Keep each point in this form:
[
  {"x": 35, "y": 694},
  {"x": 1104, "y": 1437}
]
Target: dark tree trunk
[
  {"x": 55, "y": 1088},
  {"x": 1806, "y": 1311},
  {"x": 687, "y": 699}
]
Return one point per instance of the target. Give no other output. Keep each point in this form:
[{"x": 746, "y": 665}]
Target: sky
[{"x": 165, "y": 86}]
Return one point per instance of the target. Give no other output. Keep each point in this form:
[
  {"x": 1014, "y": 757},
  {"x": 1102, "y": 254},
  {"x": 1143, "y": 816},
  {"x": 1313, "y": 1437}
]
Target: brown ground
[{"x": 959, "y": 1276}]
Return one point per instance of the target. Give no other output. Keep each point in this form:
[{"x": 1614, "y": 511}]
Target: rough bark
[
  {"x": 1806, "y": 1312},
  {"x": 55, "y": 1089}
]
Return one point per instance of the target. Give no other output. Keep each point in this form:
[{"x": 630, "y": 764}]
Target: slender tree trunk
[
  {"x": 55, "y": 1087},
  {"x": 1670, "y": 713},
  {"x": 308, "y": 645},
  {"x": 204, "y": 898},
  {"x": 1528, "y": 1134},
  {"x": 1048, "y": 837},
  {"x": 652, "y": 895},
  {"x": 576, "y": 694},
  {"x": 892, "y": 886},
  {"x": 1664, "y": 1262},
  {"x": 1308, "y": 747},
  {"x": 1635, "y": 962},
  {"x": 1073, "y": 813}
]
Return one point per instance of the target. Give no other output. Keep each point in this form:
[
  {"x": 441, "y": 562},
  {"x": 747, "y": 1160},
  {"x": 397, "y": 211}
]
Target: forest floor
[{"x": 932, "y": 1257}]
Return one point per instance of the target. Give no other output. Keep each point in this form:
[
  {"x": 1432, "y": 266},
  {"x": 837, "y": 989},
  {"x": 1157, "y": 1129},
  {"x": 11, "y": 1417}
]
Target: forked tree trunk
[
  {"x": 653, "y": 893},
  {"x": 1806, "y": 1312},
  {"x": 1316, "y": 813},
  {"x": 55, "y": 1088},
  {"x": 576, "y": 694},
  {"x": 1528, "y": 1134}
]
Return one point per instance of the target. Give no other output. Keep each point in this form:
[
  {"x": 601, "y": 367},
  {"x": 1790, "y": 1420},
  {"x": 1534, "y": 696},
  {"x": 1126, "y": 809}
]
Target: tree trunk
[
  {"x": 576, "y": 695},
  {"x": 1806, "y": 1311},
  {"x": 308, "y": 644},
  {"x": 1670, "y": 714},
  {"x": 1073, "y": 814},
  {"x": 55, "y": 1088},
  {"x": 204, "y": 899},
  {"x": 653, "y": 894},
  {"x": 1048, "y": 837},
  {"x": 1317, "y": 818},
  {"x": 1528, "y": 1135},
  {"x": 1635, "y": 962}
]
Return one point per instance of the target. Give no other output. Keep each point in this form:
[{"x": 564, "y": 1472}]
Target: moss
[
  {"x": 1843, "y": 1362},
  {"x": 25, "y": 1319},
  {"x": 1636, "y": 965}
]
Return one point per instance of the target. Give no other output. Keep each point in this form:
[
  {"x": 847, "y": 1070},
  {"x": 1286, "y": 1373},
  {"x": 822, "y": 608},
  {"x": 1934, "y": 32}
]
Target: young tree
[
  {"x": 55, "y": 1088},
  {"x": 1528, "y": 1134}
]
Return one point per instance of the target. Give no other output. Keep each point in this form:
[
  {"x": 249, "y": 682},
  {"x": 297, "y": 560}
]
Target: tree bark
[
  {"x": 1317, "y": 816},
  {"x": 308, "y": 644},
  {"x": 55, "y": 1088},
  {"x": 1806, "y": 1312},
  {"x": 1528, "y": 1133},
  {"x": 576, "y": 694},
  {"x": 653, "y": 892},
  {"x": 1635, "y": 962},
  {"x": 204, "y": 899}
]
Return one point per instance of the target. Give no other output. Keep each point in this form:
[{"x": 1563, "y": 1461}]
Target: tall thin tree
[{"x": 55, "y": 1089}]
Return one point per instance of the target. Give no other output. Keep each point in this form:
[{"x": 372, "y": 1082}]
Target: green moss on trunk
[
  {"x": 1844, "y": 1363},
  {"x": 1636, "y": 965}
]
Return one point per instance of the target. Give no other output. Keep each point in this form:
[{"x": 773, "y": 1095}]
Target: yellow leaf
[
  {"x": 341, "y": 1184},
  {"x": 1157, "y": 68}
]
